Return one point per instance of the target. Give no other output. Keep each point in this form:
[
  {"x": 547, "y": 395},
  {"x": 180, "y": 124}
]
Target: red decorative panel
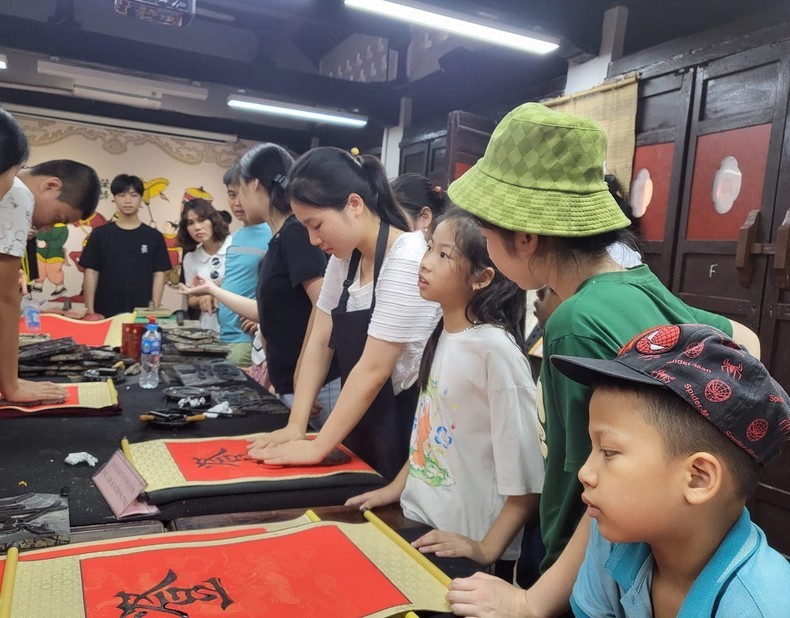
[
  {"x": 313, "y": 572},
  {"x": 749, "y": 147},
  {"x": 460, "y": 169},
  {"x": 657, "y": 160},
  {"x": 226, "y": 459}
]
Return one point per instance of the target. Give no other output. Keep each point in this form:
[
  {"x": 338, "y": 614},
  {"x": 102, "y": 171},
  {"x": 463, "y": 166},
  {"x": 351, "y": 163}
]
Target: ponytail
[
  {"x": 268, "y": 164},
  {"x": 325, "y": 177},
  {"x": 387, "y": 206},
  {"x": 427, "y": 356},
  {"x": 415, "y": 192}
]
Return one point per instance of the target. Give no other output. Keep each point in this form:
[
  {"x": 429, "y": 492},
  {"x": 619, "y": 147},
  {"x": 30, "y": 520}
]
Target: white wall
[{"x": 592, "y": 73}]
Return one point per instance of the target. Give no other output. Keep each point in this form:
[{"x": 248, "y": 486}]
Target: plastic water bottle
[
  {"x": 151, "y": 348},
  {"x": 31, "y": 310}
]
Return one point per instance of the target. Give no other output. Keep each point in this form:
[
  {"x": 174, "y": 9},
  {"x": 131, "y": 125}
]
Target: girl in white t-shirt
[
  {"x": 205, "y": 238},
  {"x": 475, "y": 470},
  {"x": 369, "y": 315}
]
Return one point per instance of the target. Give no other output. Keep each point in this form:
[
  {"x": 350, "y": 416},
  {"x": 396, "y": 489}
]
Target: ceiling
[{"x": 295, "y": 49}]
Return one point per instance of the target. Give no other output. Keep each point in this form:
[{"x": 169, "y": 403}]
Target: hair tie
[
  {"x": 282, "y": 180},
  {"x": 437, "y": 189},
  {"x": 357, "y": 157}
]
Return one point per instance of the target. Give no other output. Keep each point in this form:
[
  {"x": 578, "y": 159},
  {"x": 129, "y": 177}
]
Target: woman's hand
[
  {"x": 288, "y": 433},
  {"x": 452, "y": 545},
  {"x": 296, "y": 453},
  {"x": 199, "y": 287}
]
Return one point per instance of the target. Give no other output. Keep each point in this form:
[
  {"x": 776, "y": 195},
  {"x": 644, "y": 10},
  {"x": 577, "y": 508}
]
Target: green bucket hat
[{"x": 542, "y": 173}]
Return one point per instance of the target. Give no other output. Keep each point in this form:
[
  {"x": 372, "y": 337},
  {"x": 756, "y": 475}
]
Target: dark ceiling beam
[
  {"x": 64, "y": 12},
  {"x": 72, "y": 43},
  {"x": 770, "y": 26},
  {"x": 495, "y": 74}
]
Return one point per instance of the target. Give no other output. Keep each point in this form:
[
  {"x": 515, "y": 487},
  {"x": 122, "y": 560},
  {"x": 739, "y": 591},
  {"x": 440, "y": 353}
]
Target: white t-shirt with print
[
  {"x": 401, "y": 315},
  {"x": 475, "y": 437},
  {"x": 16, "y": 218},
  {"x": 209, "y": 267}
]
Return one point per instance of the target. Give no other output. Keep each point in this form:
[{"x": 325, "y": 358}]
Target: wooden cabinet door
[
  {"x": 732, "y": 165},
  {"x": 737, "y": 171},
  {"x": 662, "y": 126},
  {"x": 414, "y": 158},
  {"x": 771, "y": 504},
  {"x": 467, "y": 138}
]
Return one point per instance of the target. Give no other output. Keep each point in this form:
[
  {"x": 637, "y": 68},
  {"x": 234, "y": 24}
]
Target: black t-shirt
[
  {"x": 126, "y": 261},
  {"x": 283, "y": 305}
]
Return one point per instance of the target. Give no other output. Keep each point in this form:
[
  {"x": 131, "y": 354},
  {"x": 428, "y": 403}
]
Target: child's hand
[
  {"x": 34, "y": 392},
  {"x": 488, "y": 597},
  {"x": 316, "y": 409},
  {"x": 208, "y": 304},
  {"x": 248, "y": 326},
  {"x": 372, "y": 499},
  {"x": 451, "y": 545}
]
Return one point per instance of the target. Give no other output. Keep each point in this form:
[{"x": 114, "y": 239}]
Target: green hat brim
[{"x": 536, "y": 211}]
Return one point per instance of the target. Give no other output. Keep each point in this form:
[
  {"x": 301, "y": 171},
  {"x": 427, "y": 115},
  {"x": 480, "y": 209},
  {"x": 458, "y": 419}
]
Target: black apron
[{"x": 381, "y": 438}]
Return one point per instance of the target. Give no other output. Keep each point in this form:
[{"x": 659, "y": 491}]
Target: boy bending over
[
  {"x": 52, "y": 192},
  {"x": 682, "y": 423}
]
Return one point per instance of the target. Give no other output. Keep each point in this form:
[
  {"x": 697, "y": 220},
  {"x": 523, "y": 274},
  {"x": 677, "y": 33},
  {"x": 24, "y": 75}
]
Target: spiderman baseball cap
[{"x": 714, "y": 375}]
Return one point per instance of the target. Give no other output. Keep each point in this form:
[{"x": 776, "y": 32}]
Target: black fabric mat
[{"x": 33, "y": 450}]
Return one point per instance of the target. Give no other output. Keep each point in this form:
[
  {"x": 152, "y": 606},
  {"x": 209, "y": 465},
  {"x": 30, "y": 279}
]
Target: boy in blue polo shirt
[
  {"x": 682, "y": 423},
  {"x": 248, "y": 246}
]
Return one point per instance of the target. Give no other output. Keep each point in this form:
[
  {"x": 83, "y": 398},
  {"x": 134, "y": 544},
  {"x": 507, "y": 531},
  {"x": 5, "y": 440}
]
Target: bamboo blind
[{"x": 613, "y": 106}]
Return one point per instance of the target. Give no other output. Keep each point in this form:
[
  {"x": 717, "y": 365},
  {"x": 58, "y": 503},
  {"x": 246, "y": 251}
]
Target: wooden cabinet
[
  {"x": 445, "y": 153},
  {"x": 425, "y": 153},
  {"x": 713, "y": 140}
]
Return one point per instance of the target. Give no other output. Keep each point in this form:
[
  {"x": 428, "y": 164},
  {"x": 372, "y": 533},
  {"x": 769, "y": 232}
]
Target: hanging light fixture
[
  {"x": 458, "y": 23},
  {"x": 296, "y": 111}
]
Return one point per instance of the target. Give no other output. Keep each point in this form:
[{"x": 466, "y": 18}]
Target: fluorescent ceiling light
[
  {"x": 92, "y": 79},
  {"x": 299, "y": 112},
  {"x": 3, "y": 62},
  {"x": 457, "y": 23},
  {"x": 109, "y": 96}
]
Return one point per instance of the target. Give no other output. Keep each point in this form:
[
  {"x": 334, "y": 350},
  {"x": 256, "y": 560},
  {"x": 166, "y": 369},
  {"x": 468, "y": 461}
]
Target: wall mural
[{"x": 173, "y": 170}]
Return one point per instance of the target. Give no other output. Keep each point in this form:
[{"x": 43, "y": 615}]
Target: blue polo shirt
[
  {"x": 744, "y": 578},
  {"x": 248, "y": 246}
]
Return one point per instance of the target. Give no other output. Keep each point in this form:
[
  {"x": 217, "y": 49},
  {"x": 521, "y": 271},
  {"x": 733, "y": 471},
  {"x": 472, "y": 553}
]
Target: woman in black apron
[{"x": 370, "y": 315}]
